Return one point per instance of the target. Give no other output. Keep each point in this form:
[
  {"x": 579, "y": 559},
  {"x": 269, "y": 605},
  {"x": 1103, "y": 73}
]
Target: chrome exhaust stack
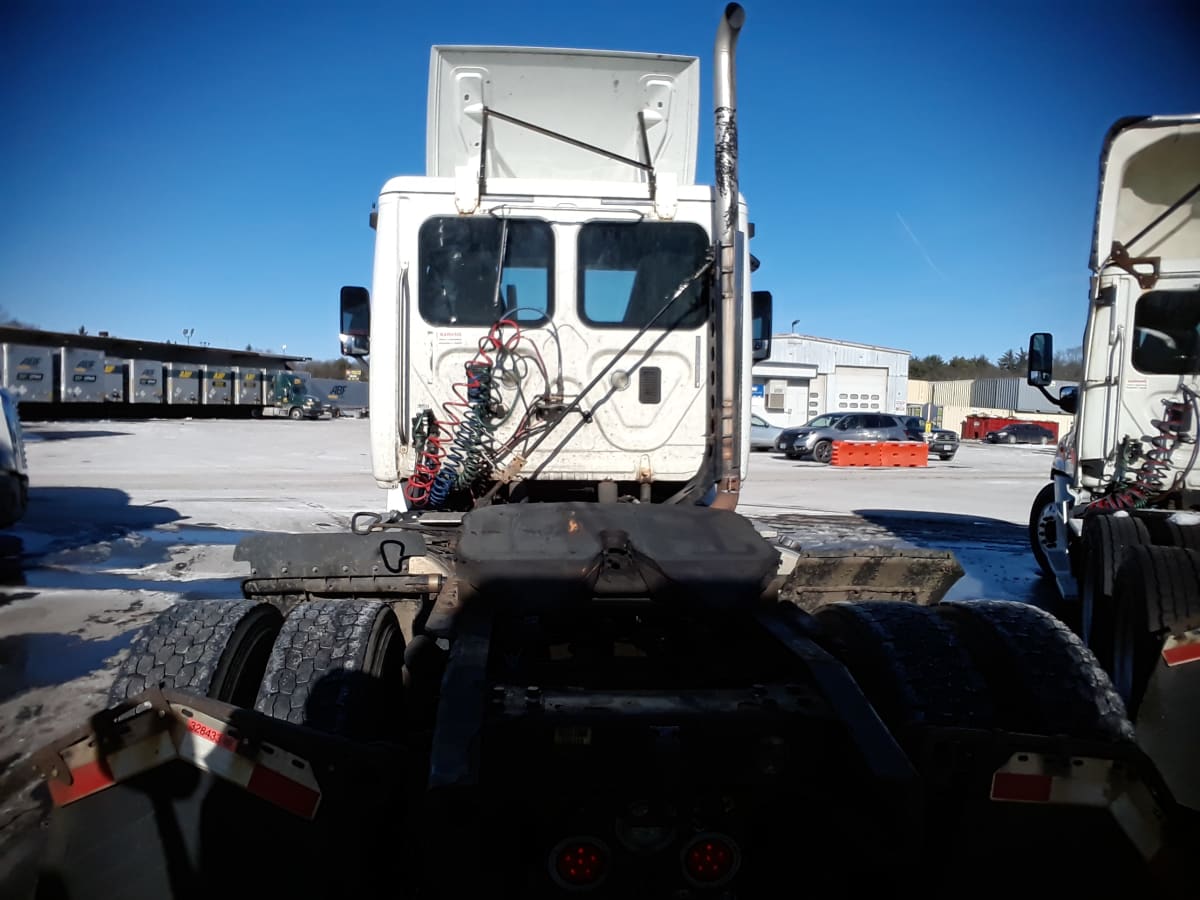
[{"x": 729, "y": 312}]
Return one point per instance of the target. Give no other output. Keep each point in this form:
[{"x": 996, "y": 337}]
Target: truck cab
[
  {"x": 289, "y": 395},
  {"x": 1134, "y": 407},
  {"x": 545, "y": 315}
]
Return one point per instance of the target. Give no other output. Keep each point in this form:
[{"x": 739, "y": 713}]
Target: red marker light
[
  {"x": 710, "y": 859},
  {"x": 580, "y": 862}
]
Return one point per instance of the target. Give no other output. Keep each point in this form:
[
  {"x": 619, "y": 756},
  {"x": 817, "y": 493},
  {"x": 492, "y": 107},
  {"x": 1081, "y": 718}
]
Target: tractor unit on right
[{"x": 1118, "y": 526}]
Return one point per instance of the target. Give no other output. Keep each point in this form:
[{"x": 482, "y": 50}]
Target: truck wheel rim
[{"x": 1046, "y": 530}]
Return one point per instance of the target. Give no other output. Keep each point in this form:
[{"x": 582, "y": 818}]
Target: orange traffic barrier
[
  {"x": 855, "y": 453},
  {"x": 906, "y": 454}
]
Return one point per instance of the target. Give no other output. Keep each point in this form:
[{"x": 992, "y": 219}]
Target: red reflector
[
  {"x": 1021, "y": 788},
  {"x": 1176, "y": 653},
  {"x": 85, "y": 780},
  {"x": 579, "y": 863},
  {"x": 710, "y": 860}
]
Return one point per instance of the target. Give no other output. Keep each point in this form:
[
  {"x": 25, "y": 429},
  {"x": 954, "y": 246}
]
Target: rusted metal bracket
[
  {"x": 401, "y": 585},
  {"x": 445, "y": 610},
  {"x": 1119, "y": 257}
]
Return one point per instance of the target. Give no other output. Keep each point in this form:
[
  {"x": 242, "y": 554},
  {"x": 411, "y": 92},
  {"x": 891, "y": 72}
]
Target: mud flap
[
  {"x": 819, "y": 577},
  {"x": 1168, "y": 725},
  {"x": 155, "y": 798}
]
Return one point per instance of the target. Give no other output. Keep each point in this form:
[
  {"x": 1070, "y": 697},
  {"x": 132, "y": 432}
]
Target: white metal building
[{"x": 806, "y": 376}]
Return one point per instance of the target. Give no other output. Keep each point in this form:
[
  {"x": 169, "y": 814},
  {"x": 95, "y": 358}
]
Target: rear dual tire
[
  {"x": 332, "y": 665},
  {"x": 337, "y": 666},
  {"x": 1106, "y": 541},
  {"x": 210, "y": 648},
  {"x": 978, "y": 664}
]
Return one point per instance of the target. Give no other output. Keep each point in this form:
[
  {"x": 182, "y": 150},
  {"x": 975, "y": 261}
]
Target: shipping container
[
  {"x": 29, "y": 373},
  {"x": 82, "y": 375}
]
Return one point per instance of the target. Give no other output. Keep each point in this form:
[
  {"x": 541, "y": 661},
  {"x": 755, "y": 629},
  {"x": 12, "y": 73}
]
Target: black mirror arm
[{"x": 1067, "y": 406}]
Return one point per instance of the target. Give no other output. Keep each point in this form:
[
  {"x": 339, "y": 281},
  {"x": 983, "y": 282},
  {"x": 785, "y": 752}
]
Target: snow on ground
[{"x": 126, "y": 518}]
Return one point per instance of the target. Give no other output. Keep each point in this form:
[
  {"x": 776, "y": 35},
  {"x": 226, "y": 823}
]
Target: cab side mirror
[
  {"x": 356, "y": 321},
  {"x": 760, "y": 303},
  {"x": 1041, "y": 359},
  {"x": 1068, "y": 398}
]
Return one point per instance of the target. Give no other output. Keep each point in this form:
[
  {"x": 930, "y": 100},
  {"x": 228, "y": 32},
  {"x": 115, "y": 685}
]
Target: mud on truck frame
[{"x": 559, "y": 663}]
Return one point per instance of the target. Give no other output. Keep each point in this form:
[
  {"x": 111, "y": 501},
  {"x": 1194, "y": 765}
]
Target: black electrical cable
[{"x": 574, "y": 404}]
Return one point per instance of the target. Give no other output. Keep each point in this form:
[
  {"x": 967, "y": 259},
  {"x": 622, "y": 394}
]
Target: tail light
[
  {"x": 579, "y": 863},
  {"x": 710, "y": 860}
]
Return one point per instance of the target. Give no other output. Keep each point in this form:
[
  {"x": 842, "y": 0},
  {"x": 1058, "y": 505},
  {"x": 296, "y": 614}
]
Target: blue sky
[{"x": 922, "y": 175}]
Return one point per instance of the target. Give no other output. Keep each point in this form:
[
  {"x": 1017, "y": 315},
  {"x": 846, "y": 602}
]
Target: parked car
[
  {"x": 763, "y": 434},
  {"x": 787, "y": 437},
  {"x": 14, "y": 477},
  {"x": 941, "y": 441},
  {"x": 1021, "y": 433},
  {"x": 944, "y": 443},
  {"x": 817, "y": 443},
  {"x": 915, "y": 426}
]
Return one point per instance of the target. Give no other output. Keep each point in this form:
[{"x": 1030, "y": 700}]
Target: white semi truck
[
  {"x": 541, "y": 324},
  {"x": 1118, "y": 526},
  {"x": 560, "y": 664}
]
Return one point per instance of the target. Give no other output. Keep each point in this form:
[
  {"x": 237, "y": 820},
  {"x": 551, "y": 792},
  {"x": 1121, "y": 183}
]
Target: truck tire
[
  {"x": 212, "y": 648},
  {"x": 1105, "y": 541},
  {"x": 296, "y": 413},
  {"x": 14, "y": 498},
  {"x": 1043, "y": 680},
  {"x": 337, "y": 666},
  {"x": 822, "y": 452},
  {"x": 1043, "y": 534},
  {"x": 1166, "y": 532},
  {"x": 909, "y": 663},
  {"x": 1155, "y": 596}
]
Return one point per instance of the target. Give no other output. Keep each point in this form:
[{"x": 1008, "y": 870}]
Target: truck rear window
[
  {"x": 462, "y": 283},
  {"x": 629, "y": 270},
  {"x": 1166, "y": 333}
]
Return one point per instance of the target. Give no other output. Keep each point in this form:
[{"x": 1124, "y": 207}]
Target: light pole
[
  {"x": 794, "y": 321},
  {"x": 187, "y": 333}
]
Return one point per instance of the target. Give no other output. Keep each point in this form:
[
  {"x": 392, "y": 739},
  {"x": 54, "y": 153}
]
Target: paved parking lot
[{"x": 996, "y": 481}]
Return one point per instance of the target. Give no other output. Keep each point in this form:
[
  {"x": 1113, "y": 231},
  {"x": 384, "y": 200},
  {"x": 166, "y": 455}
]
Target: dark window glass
[
  {"x": 1166, "y": 333},
  {"x": 629, "y": 270},
  {"x": 459, "y": 270}
]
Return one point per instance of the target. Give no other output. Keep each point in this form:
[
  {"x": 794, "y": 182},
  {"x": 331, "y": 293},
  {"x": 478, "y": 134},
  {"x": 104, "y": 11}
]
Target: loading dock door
[{"x": 859, "y": 388}]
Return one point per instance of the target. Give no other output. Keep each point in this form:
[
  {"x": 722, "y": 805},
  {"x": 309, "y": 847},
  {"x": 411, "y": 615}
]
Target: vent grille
[{"x": 650, "y": 384}]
